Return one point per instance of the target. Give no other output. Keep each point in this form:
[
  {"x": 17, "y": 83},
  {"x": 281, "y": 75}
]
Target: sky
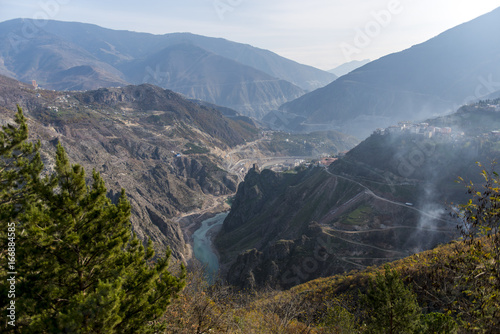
[{"x": 320, "y": 33}]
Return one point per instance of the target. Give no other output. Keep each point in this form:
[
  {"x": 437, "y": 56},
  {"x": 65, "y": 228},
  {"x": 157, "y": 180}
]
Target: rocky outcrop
[
  {"x": 253, "y": 194},
  {"x": 286, "y": 263}
]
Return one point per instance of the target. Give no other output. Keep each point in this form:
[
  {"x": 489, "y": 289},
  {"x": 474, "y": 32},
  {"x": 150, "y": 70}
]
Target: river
[{"x": 202, "y": 245}]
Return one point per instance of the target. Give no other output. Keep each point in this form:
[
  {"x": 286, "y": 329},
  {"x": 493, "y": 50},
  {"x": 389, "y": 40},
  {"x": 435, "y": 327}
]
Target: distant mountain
[
  {"x": 75, "y": 56},
  {"x": 116, "y": 47},
  {"x": 431, "y": 78},
  {"x": 195, "y": 72},
  {"x": 306, "y": 77},
  {"x": 51, "y": 61},
  {"x": 83, "y": 77},
  {"x": 348, "y": 67}
]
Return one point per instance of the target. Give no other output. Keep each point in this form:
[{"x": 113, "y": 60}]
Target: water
[{"x": 202, "y": 245}]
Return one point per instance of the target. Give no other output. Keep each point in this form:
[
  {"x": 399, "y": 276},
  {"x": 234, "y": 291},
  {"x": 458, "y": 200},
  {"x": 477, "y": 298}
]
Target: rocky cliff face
[
  {"x": 151, "y": 142},
  {"x": 272, "y": 228},
  {"x": 285, "y": 263},
  {"x": 286, "y": 229},
  {"x": 253, "y": 195}
]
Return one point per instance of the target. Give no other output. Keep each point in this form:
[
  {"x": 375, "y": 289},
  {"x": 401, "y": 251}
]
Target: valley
[
  {"x": 175, "y": 171},
  {"x": 178, "y": 160},
  {"x": 367, "y": 207}
]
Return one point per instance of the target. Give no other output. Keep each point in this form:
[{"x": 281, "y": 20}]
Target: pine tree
[
  {"x": 393, "y": 308},
  {"x": 20, "y": 166},
  {"x": 80, "y": 269}
]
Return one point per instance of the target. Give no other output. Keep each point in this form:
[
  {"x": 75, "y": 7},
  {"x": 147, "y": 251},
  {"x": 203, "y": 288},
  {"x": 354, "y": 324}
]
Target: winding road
[
  {"x": 371, "y": 193},
  {"x": 333, "y": 232}
]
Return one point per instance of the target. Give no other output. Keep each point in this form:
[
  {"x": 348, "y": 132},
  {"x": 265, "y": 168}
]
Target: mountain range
[
  {"x": 78, "y": 56},
  {"x": 433, "y": 78},
  {"x": 179, "y": 153}
]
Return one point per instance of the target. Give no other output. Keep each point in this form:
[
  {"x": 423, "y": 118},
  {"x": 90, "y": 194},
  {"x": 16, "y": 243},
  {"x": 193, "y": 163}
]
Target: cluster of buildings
[
  {"x": 61, "y": 100},
  {"x": 423, "y": 129},
  {"x": 490, "y": 107},
  {"x": 287, "y": 165}
]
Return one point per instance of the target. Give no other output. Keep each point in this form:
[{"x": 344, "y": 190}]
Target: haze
[{"x": 315, "y": 33}]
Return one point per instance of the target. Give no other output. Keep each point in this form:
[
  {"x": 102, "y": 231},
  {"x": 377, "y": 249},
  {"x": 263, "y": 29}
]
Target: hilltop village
[{"x": 423, "y": 129}]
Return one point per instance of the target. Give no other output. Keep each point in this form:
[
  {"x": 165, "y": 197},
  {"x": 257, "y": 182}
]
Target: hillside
[
  {"x": 386, "y": 199},
  {"x": 149, "y": 141},
  {"x": 434, "y": 277},
  {"x": 432, "y": 78},
  {"x": 77, "y": 56}
]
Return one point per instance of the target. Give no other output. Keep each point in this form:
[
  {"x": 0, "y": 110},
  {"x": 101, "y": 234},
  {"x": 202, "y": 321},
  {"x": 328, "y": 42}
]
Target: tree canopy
[
  {"x": 391, "y": 306},
  {"x": 80, "y": 269},
  {"x": 478, "y": 264}
]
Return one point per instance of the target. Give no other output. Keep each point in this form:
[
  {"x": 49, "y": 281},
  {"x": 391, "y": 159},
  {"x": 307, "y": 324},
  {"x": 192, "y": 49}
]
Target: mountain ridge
[
  {"x": 63, "y": 47},
  {"x": 433, "y": 77},
  {"x": 348, "y": 67},
  {"x": 212, "y": 78}
]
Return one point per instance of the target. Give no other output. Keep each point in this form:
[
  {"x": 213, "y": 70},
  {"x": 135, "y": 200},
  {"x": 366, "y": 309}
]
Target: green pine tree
[
  {"x": 80, "y": 269},
  {"x": 392, "y": 307},
  {"x": 20, "y": 167}
]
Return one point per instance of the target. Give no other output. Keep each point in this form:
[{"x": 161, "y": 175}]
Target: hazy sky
[{"x": 321, "y": 33}]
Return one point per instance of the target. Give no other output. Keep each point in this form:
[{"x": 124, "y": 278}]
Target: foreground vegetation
[
  {"x": 77, "y": 268},
  {"x": 68, "y": 255}
]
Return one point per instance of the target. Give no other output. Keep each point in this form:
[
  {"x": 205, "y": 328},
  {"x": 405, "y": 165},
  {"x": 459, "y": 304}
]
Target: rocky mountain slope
[
  {"x": 386, "y": 199},
  {"x": 152, "y": 142},
  {"x": 77, "y": 56},
  {"x": 432, "y": 78}
]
